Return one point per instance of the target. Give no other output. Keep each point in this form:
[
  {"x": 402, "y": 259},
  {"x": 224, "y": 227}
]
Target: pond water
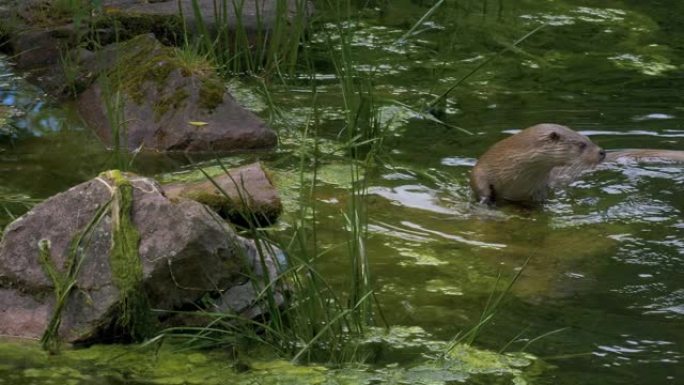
[{"x": 604, "y": 257}]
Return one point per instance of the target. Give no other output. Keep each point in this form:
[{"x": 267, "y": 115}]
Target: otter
[{"x": 522, "y": 167}]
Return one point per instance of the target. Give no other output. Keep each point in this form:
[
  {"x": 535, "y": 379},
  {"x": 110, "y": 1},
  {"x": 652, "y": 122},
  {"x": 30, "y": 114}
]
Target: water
[{"x": 603, "y": 276}]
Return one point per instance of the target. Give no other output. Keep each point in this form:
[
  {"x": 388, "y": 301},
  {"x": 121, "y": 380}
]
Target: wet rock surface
[
  {"x": 185, "y": 251},
  {"x": 244, "y": 193},
  {"x": 252, "y": 15}
]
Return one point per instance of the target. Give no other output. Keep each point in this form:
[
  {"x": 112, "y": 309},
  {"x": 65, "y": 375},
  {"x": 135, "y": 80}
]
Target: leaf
[{"x": 198, "y": 124}]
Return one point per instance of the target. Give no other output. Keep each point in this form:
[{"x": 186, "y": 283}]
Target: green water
[{"x": 605, "y": 255}]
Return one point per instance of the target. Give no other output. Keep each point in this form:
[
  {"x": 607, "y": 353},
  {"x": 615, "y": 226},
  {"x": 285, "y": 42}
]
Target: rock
[
  {"x": 249, "y": 193},
  {"x": 38, "y": 45},
  {"x": 256, "y": 16},
  {"x": 185, "y": 251},
  {"x": 248, "y": 300},
  {"x": 35, "y": 49},
  {"x": 159, "y": 102}
]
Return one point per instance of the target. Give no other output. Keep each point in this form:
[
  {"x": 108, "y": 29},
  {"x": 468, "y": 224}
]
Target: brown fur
[{"x": 519, "y": 168}]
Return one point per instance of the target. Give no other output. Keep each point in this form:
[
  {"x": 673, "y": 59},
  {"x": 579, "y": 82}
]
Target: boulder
[
  {"x": 151, "y": 252},
  {"x": 157, "y": 101},
  {"x": 245, "y": 193},
  {"x": 33, "y": 37},
  {"x": 254, "y": 16},
  {"x": 39, "y": 34},
  {"x": 36, "y": 48}
]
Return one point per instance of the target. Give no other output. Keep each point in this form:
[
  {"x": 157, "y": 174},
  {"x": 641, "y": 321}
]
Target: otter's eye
[{"x": 582, "y": 146}]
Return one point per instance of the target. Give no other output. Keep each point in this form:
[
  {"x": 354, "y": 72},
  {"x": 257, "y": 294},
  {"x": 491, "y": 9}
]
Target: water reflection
[{"x": 32, "y": 114}]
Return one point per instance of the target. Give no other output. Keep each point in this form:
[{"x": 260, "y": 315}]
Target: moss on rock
[
  {"x": 134, "y": 315},
  {"x": 170, "y": 102},
  {"x": 143, "y": 60},
  {"x": 211, "y": 93}
]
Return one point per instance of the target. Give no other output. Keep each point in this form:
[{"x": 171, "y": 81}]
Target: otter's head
[{"x": 557, "y": 145}]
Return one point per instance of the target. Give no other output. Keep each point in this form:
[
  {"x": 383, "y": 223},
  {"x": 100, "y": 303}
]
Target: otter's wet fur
[{"x": 523, "y": 167}]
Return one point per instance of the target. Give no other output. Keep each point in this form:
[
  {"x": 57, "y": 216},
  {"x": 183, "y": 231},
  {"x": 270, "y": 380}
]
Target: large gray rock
[
  {"x": 158, "y": 102},
  {"x": 185, "y": 250}
]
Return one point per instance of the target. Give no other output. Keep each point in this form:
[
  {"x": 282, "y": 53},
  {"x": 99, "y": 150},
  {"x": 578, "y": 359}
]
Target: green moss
[
  {"x": 215, "y": 201},
  {"x": 171, "y": 102},
  {"x": 170, "y": 364},
  {"x": 235, "y": 210},
  {"x": 57, "y": 12},
  {"x": 211, "y": 93},
  {"x": 142, "y": 61},
  {"x": 227, "y": 208},
  {"x": 124, "y": 260},
  {"x": 114, "y": 175},
  {"x": 138, "y": 61}
]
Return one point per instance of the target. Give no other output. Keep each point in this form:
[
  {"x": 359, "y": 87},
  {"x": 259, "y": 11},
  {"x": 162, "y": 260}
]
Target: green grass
[{"x": 64, "y": 282}]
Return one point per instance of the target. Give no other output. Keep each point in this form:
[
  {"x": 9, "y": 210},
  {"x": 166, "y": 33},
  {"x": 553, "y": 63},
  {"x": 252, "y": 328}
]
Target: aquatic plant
[
  {"x": 124, "y": 260},
  {"x": 64, "y": 282},
  {"x": 238, "y": 48},
  {"x": 9, "y": 203},
  {"x": 114, "y": 103},
  {"x": 209, "y": 367}
]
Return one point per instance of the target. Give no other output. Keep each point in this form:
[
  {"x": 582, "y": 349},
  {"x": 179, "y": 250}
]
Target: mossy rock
[
  {"x": 137, "y": 250},
  {"x": 156, "y": 98},
  {"x": 246, "y": 194}
]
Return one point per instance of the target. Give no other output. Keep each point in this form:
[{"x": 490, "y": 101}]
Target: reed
[{"x": 256, "y": 47}]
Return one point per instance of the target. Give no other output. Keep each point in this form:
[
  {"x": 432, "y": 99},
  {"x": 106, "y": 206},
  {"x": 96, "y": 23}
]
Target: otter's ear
[{"x": 553, "y": 136}]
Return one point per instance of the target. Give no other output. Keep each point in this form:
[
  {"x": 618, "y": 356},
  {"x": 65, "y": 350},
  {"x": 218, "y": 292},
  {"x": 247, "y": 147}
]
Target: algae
[
  {"x": 64, "y": 278},
  {"x": 211, "y": 93},
  {"x": 171, "y": 102},
  {"x": 246, "y": 96},
  {"x": 133, "y": 315}
]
